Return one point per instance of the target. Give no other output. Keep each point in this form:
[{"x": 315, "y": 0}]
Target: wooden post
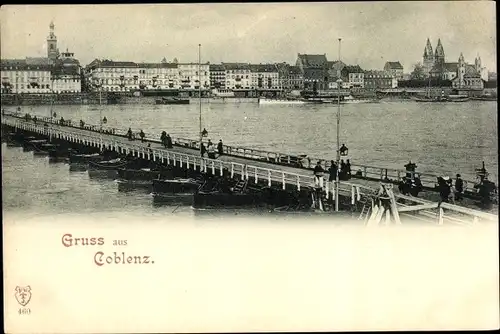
[
  {"x": 269, "y": 178},
  {"x": 327, "y": 190},
  {"x": 353, "y": 194},
  {"x": 256, "y": 176},
  {"x": 213, "y": 167},
  {"x": 243, "y": 172},
  {"x": 440, "y": 216},
  {"x": 232, "y": 169},
  {"x": 364, "y": 171},
  {"x": 283, "y": 180},
  {"x": 394, "y": 207},
  {"x": 298, "y": 182},
  {"x": 388, "y": 217},
  {"x": 173, "y": 158},
  {"x": 221, "y": 169}
]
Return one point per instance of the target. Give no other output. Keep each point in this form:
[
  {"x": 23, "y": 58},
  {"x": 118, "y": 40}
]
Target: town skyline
[{"x": 256, "y": 33}]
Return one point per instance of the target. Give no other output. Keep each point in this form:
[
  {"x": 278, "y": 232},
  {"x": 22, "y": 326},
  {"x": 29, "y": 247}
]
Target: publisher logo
[{"x": 23, "y": 295}]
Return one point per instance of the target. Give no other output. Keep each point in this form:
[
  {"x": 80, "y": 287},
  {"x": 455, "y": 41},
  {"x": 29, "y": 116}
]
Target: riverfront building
[
  {"x": 57, "y": 73},
  {"x": 314, "y": 69},
  {"x": 380, "y": 80},
  {"x": 238, "y": 78},
  {"x": 395, "y": 68},
  {"x": 217, "y": 76},
  {"x": 468, "y": 76},
  {"x": 127, "y": 76},
  {"x": 291, "y": 77},
  {"x": 265, "y": 77},
  {"x": 20, "y": 77}
]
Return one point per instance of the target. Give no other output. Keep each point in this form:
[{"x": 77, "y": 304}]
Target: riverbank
[{"x": 112, "y": 98}]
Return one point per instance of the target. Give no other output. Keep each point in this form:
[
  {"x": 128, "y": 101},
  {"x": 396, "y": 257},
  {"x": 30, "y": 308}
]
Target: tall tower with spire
[
  {"x": 461, "y": 70},
  {"x": 52, "y": 51},
  {"x": 439, "y": 54},
  {"x": 428, "y": 59}
]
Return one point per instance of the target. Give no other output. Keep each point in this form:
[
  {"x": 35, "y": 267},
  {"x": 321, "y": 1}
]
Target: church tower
[
  {"x": 52, "y": 51},
  {"x": 461, "y": 70},
  {"x": 477, "y": 64},
  {"x": 428, "y": 62},
  {"x": 439, "y": 54}
]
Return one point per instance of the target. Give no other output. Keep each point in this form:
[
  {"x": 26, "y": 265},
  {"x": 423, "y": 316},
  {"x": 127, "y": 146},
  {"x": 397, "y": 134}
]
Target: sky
[{"x": 371, "y": 32}]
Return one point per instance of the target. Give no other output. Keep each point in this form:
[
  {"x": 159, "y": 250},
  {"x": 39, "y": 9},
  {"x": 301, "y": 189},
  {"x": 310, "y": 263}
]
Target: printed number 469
[{"x": 24, "y": 311}]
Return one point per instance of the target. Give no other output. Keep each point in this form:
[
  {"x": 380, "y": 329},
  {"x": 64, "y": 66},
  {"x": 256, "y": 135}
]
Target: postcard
[{"x": 249, "y": 167}]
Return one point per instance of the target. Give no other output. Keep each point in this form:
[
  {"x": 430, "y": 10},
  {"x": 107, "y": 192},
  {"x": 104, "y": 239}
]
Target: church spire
[
  {"x": 428, "y": 53},
  {"x": 439, "y": 53}
]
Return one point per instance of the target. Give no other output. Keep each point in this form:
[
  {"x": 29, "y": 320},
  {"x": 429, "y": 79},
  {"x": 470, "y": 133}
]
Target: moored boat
[
  {"x": 144, "y": 174},
  {"x": 228, "y": 194},
  {"x": 43, "y": 149},
  {"x": 31, "y": 144},
  {"x": 113, "y": 164},
  {"x": 84, "y": 158},
  {"x": 432, "y": 99},
  {"x": 264, "y": 100},
  {"x": 172, "y": 100},
  {"x": 353, "y": 100},
  {"x": 176, "y": 186}
]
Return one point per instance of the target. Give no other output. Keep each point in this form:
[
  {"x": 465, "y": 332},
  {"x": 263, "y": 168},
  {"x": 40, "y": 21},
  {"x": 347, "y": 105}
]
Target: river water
[{"x": 440, "y": 138}]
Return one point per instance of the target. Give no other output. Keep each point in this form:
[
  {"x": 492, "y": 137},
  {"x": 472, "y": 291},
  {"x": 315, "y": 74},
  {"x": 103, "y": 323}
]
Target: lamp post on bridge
[
  {"x": 99, "y": 86},
  {"x": 51, "y": 106},
  {"x": 339, "y": 83}
]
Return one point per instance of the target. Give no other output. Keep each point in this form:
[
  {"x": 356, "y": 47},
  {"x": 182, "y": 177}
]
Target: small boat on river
[
  {"x": 264, "y": 100},
  {"x": 172, "y": 100},
  {"x": 43, "y": 149},
  {"x": 141, "y": 175},
  {"x": 176, "y": 186},
  {"x": 437, "y": 99},
  {"x": 353, "y": 100},
  {"x": 85, "y": 158},
  {"x": 228, "y": 194},
  {"x": 31, "y": 144}
]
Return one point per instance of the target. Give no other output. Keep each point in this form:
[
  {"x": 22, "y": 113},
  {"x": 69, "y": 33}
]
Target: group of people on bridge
[
  {"x": 344, "y": 172},
  {"x": 210, "y": 149}
]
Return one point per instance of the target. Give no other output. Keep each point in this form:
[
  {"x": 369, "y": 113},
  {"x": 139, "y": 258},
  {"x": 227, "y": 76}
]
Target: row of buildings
[
  {"x": 58, "y": 72},
  {"x": 62, "y": 73}
]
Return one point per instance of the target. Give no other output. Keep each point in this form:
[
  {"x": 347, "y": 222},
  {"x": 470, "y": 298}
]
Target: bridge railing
[
  {"x": 300, "y": 161},
  {"x": 446, "y": 212}
]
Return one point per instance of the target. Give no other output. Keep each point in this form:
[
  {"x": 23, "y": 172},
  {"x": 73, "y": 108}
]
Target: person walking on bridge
[
  {"x": 220, "y": 147},
  {"x": 318, "y": 173},
  {"x": 142, "y": 135},
  {"x": 129, "y": 134},
  {"x": 163, "y": 139},
  {"x": 348, "y": 169},
  {"x": 169, "y": 141},
  {"x": 459, "y": 188},
  {"x": 211, "y": 150},
  {"x": 332, "y": 171}
]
